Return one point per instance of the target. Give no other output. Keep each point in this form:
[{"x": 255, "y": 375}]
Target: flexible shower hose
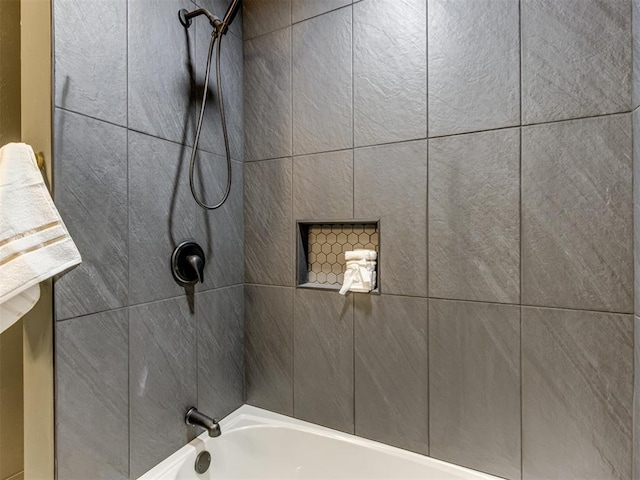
[{"x": 194, "y": 149}]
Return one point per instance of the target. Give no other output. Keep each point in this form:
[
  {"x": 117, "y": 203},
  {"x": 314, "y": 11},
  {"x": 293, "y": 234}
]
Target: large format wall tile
[
  {"x": 391, "y": 184},
  {"x": 303, "y": 9},
  {"x": 161, "y": 70},
  {"x": 323, "y": 358},
  {"x": 211, "y": 133},
  {"x": 264, "y": 16},
  {"x": 92, "y": 404},
  {"x": 323, "y": 186},
  {"x": 322, "y": 83},
  {"x": 267, "y": 222},
  {"x": 473, "y": 66},
  {"x": 88, "y": 81},
  {"x": 577, "y": 233},
  {"x": 474, "y": 216},
  {"x": 474, "y": 385},
  {"x": 577, "y": 394},
  {"x": 162, "y": 215},
  {"x": 267, "y": 96},
  {"x": 269, "y": 347},
  {"x": 220, "y": 232},
  {"x": 91, "y": 175},
  {"x": 162, "y": 380},
  {"x": 391, "y": 374},
  {"x": 220, "y": 333},
  {"x": 570, "y": 68},
  {"x": 390, "y": 71}
]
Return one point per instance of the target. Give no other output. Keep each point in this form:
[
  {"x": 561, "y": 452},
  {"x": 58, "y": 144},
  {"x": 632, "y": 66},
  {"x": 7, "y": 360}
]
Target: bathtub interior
[{"x": 258, "y": 444}]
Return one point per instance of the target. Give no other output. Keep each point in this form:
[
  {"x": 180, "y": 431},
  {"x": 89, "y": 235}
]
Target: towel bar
[{"x": 40, "y": 160}]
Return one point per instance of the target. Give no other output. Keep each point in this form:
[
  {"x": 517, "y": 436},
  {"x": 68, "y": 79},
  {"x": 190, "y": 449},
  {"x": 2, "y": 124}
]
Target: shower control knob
[{"x": 187, "y": 263}]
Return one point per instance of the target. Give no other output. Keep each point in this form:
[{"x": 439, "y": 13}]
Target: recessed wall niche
[{"x": 321, "y": 246}]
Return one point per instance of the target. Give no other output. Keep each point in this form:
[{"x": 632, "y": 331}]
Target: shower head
[
  {"x": 220, "y": 26},
  {"x": 185, "y": 17}
]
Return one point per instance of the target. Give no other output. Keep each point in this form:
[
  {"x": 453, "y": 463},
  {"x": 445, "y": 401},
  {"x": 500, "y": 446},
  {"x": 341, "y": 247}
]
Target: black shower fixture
[{"x": 220, "y": 28}]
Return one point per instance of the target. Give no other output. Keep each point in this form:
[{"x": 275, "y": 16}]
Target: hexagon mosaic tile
[{"x": 327, "y": 244}]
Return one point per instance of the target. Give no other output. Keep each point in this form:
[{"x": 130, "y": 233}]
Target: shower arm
[
  {"x": 220, "y": 26},
  {"x": 185, "y": 17}
]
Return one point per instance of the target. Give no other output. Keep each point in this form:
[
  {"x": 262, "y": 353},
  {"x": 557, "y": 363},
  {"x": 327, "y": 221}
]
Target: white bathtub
[{"x": 258, "y": 445}]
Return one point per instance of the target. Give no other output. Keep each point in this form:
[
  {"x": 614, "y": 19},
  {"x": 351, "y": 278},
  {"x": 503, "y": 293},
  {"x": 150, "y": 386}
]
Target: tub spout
[{"x": 194, "y": 417}]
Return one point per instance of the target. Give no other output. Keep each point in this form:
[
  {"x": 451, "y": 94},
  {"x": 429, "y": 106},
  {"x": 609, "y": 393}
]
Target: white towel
[
  {"x": 34, "y": 242},
  {"x": 360, "y": 255},
  {"x": 359, "y": 275}
]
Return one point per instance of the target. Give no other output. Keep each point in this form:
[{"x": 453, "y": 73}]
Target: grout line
[
  {"x": 128, "y": 313},
  {"x": 293, "y": 353},
  {"x": 291, "y": 22},
  {"x": 481, "y": 302},
  {"x": 192, "y": 115},
  {"x": 428, "y": 370},
  {"x": 426, "y": 223},
  {"x": 131, "y": 129},
  {"x": 635, "y": 220},
  {"x": 293, "y": 245},
  {"x": 196, "y": 330},
  {"x": 533, "y": 124},
  {"x": 428, "y": 138},
  {"x": 426, "y": 70},
  {"x": 64, "y": 109},
  {"x": 520, "y": 183},
  {"x": 521, "y": 237},
  {"x": 545, "y": 307},
  {"x": 353, "y": 121},
  {"x": 321, "y": 14},
  {"x": 84, "y": 315},
  {"x": 521, "y": 397},
  {"x": 353, "y": 358},
  {"x": 353, "y": 208},
  {"x": 175, "y": 297}
]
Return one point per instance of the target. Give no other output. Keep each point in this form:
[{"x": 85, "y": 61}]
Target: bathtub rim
[{"x": 249, "y": 416}]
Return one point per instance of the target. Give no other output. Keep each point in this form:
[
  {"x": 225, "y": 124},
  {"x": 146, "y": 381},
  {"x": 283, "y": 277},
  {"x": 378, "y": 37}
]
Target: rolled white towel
[
  {"x": 359, "y": 275},
  {"x": 360, "y": 255}
]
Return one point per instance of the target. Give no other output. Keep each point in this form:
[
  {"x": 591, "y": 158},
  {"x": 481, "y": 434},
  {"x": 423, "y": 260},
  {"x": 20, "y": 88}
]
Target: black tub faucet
[{"x": 194, "y": 417}]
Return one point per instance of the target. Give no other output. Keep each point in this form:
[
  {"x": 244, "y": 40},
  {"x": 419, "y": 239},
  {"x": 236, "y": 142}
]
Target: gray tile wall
[
  {"x": 596, "y": 80},
  {"x": 474, "y": 350},
  {"x": 323, "y": 359},
  {"x": 582, "y": 410},
  {"x": 503, "y": 181},
  {"x": 127, "y": 336}
]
